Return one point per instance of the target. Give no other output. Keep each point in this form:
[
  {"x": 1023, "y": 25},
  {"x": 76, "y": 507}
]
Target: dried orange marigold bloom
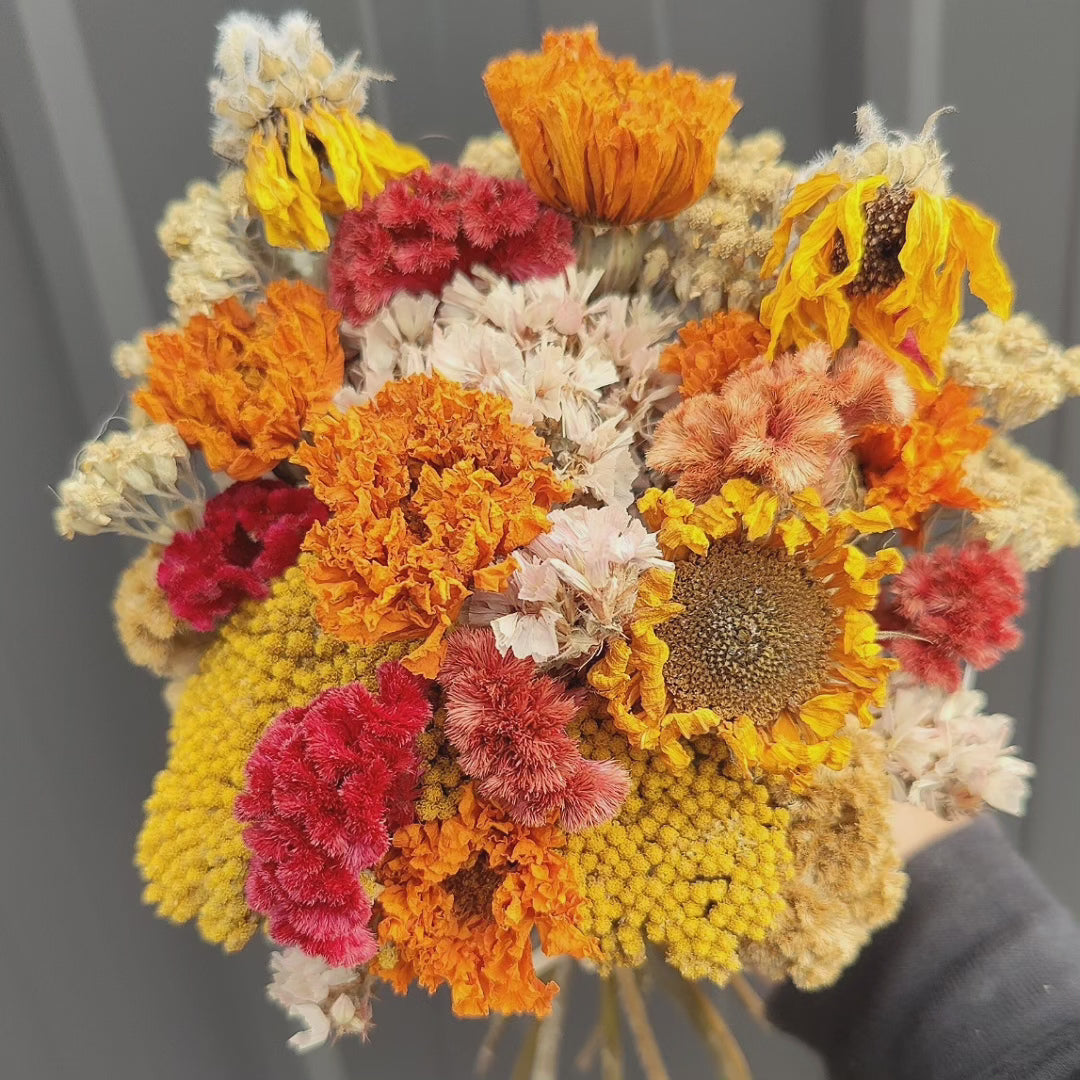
[
  {"x": 430, "y": 486},
  {"x": 241, "y": 386},
  {"x": 460, "y": 901},
  {"x": 708, "y": 351},
  {"x": 601, "y": 138}
]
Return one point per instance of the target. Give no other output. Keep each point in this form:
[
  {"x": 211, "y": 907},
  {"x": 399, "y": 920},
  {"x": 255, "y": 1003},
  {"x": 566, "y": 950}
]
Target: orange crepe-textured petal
[
  {"x": 430, "y": 487},
  {"x": 460, "y": 901},
  {"x": 710, "y": 350},
  {"x": 602, "y": 139},
  {"x": 242, "y": 386}
]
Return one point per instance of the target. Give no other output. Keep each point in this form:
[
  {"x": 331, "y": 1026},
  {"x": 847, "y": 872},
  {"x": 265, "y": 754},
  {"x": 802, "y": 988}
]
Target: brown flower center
[
  {"x": 473, "y": 888},
  {"x": 886, "y": 230},
  {"x": 755, "y": 636}
]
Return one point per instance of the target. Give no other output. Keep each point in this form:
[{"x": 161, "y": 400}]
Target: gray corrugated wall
[{"x": 102, "y": 120}]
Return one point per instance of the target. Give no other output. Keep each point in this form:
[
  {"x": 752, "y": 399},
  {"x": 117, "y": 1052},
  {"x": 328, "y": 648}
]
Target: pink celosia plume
[
  {"x": 327, "y": 785},
  {"x": 508, "y": 723}
]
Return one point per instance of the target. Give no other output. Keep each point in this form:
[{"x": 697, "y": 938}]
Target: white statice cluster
[
  {"x": 584, "y": 370},
  {"x": 329, "y": 1001},
  {"x": 574, "y": 587},
  {"x": 263, "y": 69},
  {"x": 1018, "y": 373},
  {"x": 904, "y": 160},
  {"x": 211, "y": 257},
  {"x": 137, "y": 483},
  {"x": 947, "y": 755}
]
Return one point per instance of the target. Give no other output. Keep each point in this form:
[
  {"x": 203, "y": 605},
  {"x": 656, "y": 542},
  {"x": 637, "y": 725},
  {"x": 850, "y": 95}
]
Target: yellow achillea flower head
[
  {"x": 288, "y": 113},
  {"x": 763, "y": 633},
  {"x": 271, "y": 656},
  {"x": 696, "y": 861},
  {"x": 602, "y": 139},
  {"x": 883, "y": 254}
]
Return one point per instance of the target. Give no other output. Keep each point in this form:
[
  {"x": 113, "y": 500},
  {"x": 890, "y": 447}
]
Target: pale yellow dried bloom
[
  {"x": 1017, "y": 372},
  {"x": 1032, "y": 507},
  {"x": 151, "y": 635},
  {"x": 847, "y": 881},
  {"x": 722, "y": 240},
  {"x": 493, "y": 155},
  {"x": 904, "y": 160},
  {"x": 265, "y": 69},
  {"x": 137, "y": 483},
  {"x": 211, "y": 254}
]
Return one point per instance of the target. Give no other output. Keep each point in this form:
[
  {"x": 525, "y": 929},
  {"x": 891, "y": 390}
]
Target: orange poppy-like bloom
[
  {"x": 430, "y": 486},
  {"x": 602, "y": 139},
  {"x": 886, "y": 260},
  {"x": 243, "y": 386},
  {"x": 708, "y": 351},
  {"x": 911, "y": 468},
  {"x": 460, "y": 901},
  {"x": 763, "y": 633}
]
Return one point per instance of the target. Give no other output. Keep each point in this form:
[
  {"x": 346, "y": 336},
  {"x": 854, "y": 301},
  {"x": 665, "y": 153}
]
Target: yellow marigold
[
  {"x": 763, "y": 633},
  {"x": 710, "y": 350},
  {"x": 430, "y": 486},
  {"x": 847, "y": 879},
  {"x": 885, "y": 259},
  {"x": 695, "y": 862},
  {"x": 270, "y": 656},
  {"x": 911, "y": 468},
  {"x": 242, "y": 386},
  {"x": 459, "y": 904},
  {"x": 604, "y": 140}
]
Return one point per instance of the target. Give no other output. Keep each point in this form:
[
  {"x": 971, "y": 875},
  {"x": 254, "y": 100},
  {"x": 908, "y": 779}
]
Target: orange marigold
[
  {"x": 601, "y": 138},
  {"x": 911, "y": 468},
  {"x": 708, "y": 351},
  {"x": 430, "y": 486},
  {"x": 242, "y": 386},
  {"x": 460, "y": 901}
]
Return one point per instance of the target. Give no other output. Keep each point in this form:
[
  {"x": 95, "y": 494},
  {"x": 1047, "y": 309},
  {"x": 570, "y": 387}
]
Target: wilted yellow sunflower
[
  {"x": 763, "y": 633},
  {"x": 289, "y": 114},
  {"x": 884, "y": 254}
]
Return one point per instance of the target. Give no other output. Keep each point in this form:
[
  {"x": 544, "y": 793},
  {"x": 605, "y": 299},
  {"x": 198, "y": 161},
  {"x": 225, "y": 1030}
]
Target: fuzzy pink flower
[
  {"x": 327, "y": 785},
  {"x": 959, "y": 603},
  {"x": 424, "y": 228},
  {"x": 251, "y": 533},
  {"x": 785, "y": 425},
  {"x": 507, "y": 722}
]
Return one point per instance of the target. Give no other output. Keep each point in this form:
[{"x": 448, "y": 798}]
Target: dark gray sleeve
[{"x": 978, "y": 978}]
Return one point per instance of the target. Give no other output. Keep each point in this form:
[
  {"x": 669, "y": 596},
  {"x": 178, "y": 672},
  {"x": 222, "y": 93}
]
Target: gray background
[{"x": 103, "y": 118}]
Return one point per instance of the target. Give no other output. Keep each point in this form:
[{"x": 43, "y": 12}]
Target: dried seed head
[{"x": 886, "y": 230}]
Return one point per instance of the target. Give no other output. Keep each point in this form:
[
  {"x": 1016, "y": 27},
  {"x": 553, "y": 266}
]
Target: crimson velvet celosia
[
  {"x": 327, "y": 785},
  {"x": 251, "y": 533},
  {"x": 508, "y": 722},
  {"x": 426, "y": 227},
  {"x": 958, "y": 605}
]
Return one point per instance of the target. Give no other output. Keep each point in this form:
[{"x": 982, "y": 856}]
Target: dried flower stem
[
  {"x": 637, "y": 1018},
  {"x": 611, "y": 1048},
  {"x": 527, "y": 1055},
  {"x": 485, "y": 1056},
  {"x": 549, "y": 1035},
  {"x": 752, "y": 1001},
  {"x": 730, "y": 1060}
]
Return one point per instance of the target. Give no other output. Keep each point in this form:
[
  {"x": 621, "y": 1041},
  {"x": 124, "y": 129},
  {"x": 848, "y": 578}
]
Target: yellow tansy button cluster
[
  {"x": 271, "y": 656},
  {"x": 442, "y": 783},
  {"x": 695, "y": 862}
]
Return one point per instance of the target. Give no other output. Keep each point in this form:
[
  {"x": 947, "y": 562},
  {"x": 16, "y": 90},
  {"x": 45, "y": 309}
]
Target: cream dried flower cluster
[
  {"x": 493, "y": 155},
  {"x": 720, "y": 242},
  {"x": 1018, "y": 374},
  {"x": 946, "y": 754},
  {"x": 137, "y": 483},
  {"x": 265, "y": 69}
]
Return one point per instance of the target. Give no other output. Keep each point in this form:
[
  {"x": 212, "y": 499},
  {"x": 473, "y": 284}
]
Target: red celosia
[
  {"x": 424, "y": 228},
  {"x": 959, "y": 603},
  {"x": 507, "y": 722},
  {"x": 327, "y": 786},
  {"x": 785, "y": 425},
  {"x": 251, "y": 533}
]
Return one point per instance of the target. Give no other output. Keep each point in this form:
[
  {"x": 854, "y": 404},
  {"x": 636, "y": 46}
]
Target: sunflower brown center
[
  {"x": 473, "y": 888},
  {"x": 886, "y": 230},
  {"x": 755, "y": 636}
]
